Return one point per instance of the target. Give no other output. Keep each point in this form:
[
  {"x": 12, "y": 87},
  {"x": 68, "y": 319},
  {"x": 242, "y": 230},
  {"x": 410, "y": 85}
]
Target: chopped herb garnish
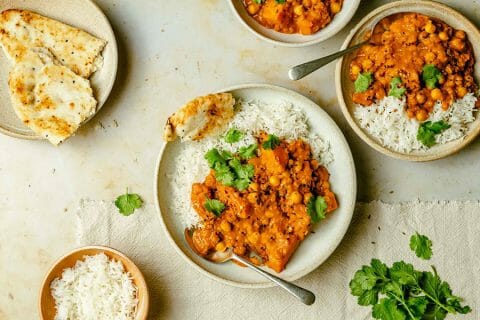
[
  {"x": 280, "y": 1},
  {"x": 421, "y": 245},
  {"x": 428, "y": 130},
  {"x": 317, "y": 208},
  {"x": 248, "y": 152},
  {"x": 272, "y": 142},
  {"x": 431, "y": 75},
  {"x": 214, "y": 206},
  {"x": 395, "y": 89},
  {"x": 364, "y": 80},
  {"x": 233, "y": 135}
]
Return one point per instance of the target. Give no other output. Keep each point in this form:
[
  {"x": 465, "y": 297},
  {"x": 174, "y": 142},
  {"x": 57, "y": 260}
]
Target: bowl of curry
[
  {"x": 281, "y": 195},
  {"x": 412, "y": 91},
  {"x": 294, "y": 23}
]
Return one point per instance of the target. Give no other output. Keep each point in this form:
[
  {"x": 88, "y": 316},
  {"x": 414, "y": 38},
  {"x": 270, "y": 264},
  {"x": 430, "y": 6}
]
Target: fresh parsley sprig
[
  {"x": 128, "y": 202},
  {"x": 421, "y": 245},
  {"x": 428, "y": 130},
  {"x": 395, "y": 88},
  {"x": 364, "y": 80}
]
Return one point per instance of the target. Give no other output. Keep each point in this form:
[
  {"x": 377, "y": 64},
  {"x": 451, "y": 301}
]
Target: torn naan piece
[
  {"x": 21, "y": 30},
  {"x": 48, "y": 97},
  {"x": 201, "y": 117}
]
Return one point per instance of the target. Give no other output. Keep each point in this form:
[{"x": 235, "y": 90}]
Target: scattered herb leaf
[
  {"x": 280, "y": 1},
  {"x": 214, "y": 206},
  {"x": 431, "y": 75},
  {"x": 272, "y": 142},
  {"x": 248, "y": 152},
  {"x": 395, "y": 89},
  {"x": 427, "y": 131},
  {"x": 128, "y": 202},
  {"x": 316, "y": 208},
  {"x": 363, "y": 81},
  {"x": 421, "y": 245},
  {"x": 233, "y": 135}
]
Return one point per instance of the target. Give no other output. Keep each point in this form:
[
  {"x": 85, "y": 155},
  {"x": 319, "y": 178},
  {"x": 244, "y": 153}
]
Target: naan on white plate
[{"x": 48, "y": 97}]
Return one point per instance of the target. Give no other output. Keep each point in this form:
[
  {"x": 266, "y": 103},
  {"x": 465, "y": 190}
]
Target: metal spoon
[
  {"x": 304, "y": 69},
  {"x": 303, "y": 295}
]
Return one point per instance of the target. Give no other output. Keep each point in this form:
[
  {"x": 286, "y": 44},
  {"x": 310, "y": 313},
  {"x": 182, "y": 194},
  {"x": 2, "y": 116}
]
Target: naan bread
[
  {"x": 76, "y": 49},
  {"x": 200, "y": 117},
  {"x": 48, "y": 97}
]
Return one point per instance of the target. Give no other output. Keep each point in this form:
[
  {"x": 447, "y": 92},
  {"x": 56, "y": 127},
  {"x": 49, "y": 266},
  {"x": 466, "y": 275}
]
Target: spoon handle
[
  {"x": 303, "y": 295},
  {"x": 304, "y": 69}
]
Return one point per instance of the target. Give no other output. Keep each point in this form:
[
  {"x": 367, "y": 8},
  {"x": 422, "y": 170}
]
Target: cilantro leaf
[
  {"x": 224, "y": 174},
  {"x": 213, "y": 157},
  {"x": 417, "y": 305},
  {"x": 280, "y": 1},
  {"x": 427, "y": 131},
  {"x": 431, "y": 75},
  {"x": 404, "y": 273},
  {"x": 364, "y": 80},
  {"x": 421, "y": 245},
  {"x": 368, "y": 281},
  {"x": 248, "y": 152},
  {"x": 387, "y": 309},
  {"x": 271, "y": 143},
  {"x": 233, "y": 135},
  {"x": 395, "y": 89},
  {"x": 214, "y": 206},
  {"x": 317, "y": 208},
  {"x": 258, "y": 1},
  {"x": 128, "y": 202}
]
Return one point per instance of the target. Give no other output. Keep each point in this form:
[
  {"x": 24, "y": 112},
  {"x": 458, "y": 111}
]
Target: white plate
[
  {"x": 83, "y": 14},
  {"x": 318, "y": 246},
  {"x": 340, "y": 20}
]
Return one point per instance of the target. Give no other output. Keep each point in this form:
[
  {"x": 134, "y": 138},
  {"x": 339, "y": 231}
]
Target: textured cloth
[{"x": 378, "y": 230}]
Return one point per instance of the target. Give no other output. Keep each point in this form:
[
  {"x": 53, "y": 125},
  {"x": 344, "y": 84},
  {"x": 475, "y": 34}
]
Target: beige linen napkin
[{"x": 378, "y": 230}]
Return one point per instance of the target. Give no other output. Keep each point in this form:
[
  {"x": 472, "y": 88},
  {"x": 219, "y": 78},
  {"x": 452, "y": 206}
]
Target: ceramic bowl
[
  {"x": 47, "y": 302},
  {"x": 345, "y": 87},
  {"x": 295, "y": 40}
]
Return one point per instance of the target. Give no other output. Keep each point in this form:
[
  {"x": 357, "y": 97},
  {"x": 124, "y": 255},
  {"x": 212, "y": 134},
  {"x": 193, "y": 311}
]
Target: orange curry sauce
[
  {"x": 401, "y": 46},
  {"x": 294, "y": 16},
  {"x": 269, "y": 218}
]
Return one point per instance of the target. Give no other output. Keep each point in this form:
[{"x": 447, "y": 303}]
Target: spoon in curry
[
  {"x": 303, "y": 295},
  {"x": 304, "y": 69}
]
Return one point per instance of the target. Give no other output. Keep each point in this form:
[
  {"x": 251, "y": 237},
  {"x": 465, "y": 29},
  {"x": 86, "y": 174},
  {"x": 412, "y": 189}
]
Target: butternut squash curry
[
  {"x": 415, "y": 56},
  {"x": 261, "y": 201},
  {"x": 293, "y": 16}
]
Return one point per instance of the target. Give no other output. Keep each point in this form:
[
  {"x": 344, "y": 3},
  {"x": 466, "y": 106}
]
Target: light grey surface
[{"x": 169, "y": 52}]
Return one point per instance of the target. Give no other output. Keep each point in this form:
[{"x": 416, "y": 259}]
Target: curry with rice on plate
[{"x": 293, "y": 16}]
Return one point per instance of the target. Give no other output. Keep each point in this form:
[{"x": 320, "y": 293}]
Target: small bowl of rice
[{"x": 94, "y": 282}]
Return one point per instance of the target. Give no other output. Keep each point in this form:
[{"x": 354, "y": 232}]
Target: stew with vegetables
[
  {"x": 294, "y": 16},
  {"x": 271, "y": 212},
  {"x": 415, "y": 57}
]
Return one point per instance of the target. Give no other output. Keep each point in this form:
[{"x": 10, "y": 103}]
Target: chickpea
[
  {"x": 295, "y": 197},
  {"x": 253, "y": 186},
  {"x": 460, "y": 34},
  {"x": 461, "y": 92},
  {"x": 225, "y": 226},
  {"x": 253, "y": 8},
  {"x": 429, "y": 104},
  {"x": 443, "y": 36},
  {"x": 457, "y": 44},
  {"x": 436, "y": 94},
  {"x": 335, "y": 7},
  {"x": 355, "y": 70},
  {"x": 410, "y": 114},
  {"x": 274, "y": 181},
  {"x": 367, "y": 64},
  {"x": 269, "y": 214},
  {"x": 298, "y": 10},
  {"x": 429, "y": 57},
  {"x": 252, "y": 197},
  {"x": 420, "y": 97},
  {"x": 421, "y": 115},
  {"x": 430, "y": 27},
  {"x": 220, "y": 247},
  {"x": 253, "y": 237}
]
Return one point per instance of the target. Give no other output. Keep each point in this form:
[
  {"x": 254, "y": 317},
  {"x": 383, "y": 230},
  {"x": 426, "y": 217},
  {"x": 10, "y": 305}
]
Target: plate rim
[
  {"x": 108, "y": 88},
  {"x": 341, "y": 26},
  {"x": 457, "y": 145},
  {"x": 339, "y": 237}
]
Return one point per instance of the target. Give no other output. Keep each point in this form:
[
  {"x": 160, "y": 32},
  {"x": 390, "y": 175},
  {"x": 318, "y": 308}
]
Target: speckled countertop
[{"x": 171, "y": 51}]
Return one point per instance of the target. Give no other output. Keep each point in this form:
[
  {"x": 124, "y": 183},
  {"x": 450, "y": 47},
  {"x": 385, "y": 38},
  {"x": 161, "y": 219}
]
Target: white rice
[
  {"x": 283, "y": 120},
  {"x": 387, "y": 122},
  {"x": 96, "y": 288}
]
